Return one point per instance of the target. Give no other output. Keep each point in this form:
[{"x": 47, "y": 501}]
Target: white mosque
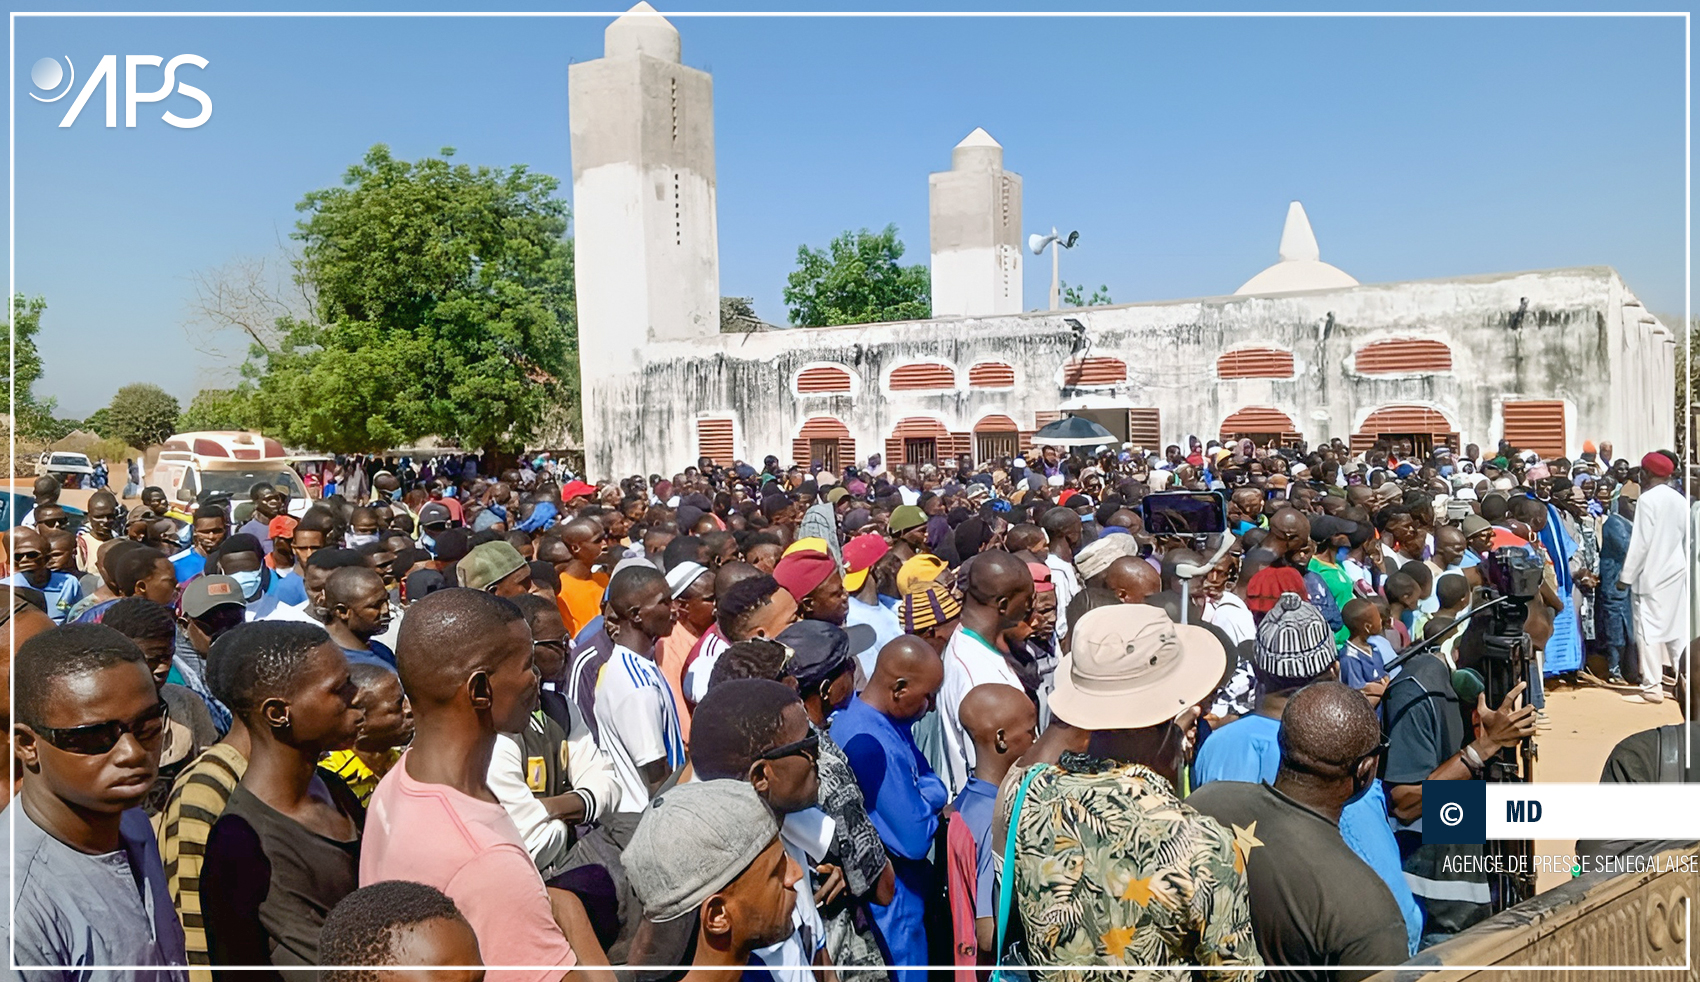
[{"x": 1300, "y": 352}]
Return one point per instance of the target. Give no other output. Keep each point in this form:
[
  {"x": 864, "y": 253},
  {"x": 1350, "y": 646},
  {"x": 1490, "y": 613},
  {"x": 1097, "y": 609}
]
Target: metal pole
[{"x": 1056, "y": 247}]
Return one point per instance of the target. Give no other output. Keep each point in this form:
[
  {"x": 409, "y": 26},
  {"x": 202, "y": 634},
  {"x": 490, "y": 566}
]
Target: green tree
[
  {"x": 444, "y": 306},
  {"x": 857, "y": 280},
  {"x": 141, "y": 415},
  {"x": 33, "y": 417},
  {"x": 1075, "y": 296},
  {"x": 99, "y": 422},
  {"x": 218, "y": 409}
]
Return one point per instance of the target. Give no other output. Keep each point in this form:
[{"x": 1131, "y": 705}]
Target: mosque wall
[{"x": 1582, "y": 361}]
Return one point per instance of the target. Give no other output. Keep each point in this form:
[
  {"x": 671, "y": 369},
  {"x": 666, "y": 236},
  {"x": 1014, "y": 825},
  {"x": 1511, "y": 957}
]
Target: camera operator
[{"x": 1428, "y": 740}]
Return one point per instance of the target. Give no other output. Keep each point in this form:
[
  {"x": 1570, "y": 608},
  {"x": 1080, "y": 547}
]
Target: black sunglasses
[
  {"x": 808, "y": 747},
  {"x": 100, "y": 738},
  {"x": 1378, "y": 750},
  {"x": 559, "y": 644}
]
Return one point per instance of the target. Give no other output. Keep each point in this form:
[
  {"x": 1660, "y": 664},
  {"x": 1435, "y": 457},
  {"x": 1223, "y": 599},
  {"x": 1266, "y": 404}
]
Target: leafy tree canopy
[
  {"x": 218, "y": 409},
  {"x": 34, "y": 418},
  {"x": 141, "y": 415},
  {"x": 857, "y": 280},
  {"x": 1076, "y": 296},
  {"x": 444, "y": 306}
]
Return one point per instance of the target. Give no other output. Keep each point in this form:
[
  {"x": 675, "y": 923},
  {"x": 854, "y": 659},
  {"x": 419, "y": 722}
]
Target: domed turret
[{"x": 1301, "y": 266}]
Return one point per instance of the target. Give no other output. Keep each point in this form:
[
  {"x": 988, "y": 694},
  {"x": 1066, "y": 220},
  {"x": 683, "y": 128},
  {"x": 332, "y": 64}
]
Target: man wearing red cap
[
  {"x": 861, "y": 554},
  {"x": 1657, "y": 570},
  {"x": 812, "y": 577}
]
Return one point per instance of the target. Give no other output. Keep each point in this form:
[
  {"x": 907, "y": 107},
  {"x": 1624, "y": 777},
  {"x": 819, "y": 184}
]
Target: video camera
[{"x": 1494, "y": 655}]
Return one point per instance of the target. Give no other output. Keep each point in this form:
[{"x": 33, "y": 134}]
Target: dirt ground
[{"x": 1587, "y": 722}]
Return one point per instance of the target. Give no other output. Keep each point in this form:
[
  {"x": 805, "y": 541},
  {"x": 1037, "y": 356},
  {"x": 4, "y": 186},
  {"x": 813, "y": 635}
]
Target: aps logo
[{"x": 48, "y": 75}]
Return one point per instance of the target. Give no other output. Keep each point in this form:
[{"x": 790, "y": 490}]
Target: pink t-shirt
[{"x": 470, "y": 850}]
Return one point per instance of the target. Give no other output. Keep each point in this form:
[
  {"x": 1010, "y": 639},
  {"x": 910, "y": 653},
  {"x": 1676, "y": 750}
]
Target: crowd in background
[{"x": 812, "y": 723}]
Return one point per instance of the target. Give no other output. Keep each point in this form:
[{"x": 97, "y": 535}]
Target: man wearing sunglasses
[
  {"x": 30, "y": 568},
  {"x": 90, "y": 889},
  {"x": 757, "y": 730}
]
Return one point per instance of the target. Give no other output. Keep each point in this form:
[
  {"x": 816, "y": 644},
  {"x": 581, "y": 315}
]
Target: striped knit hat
[
  {"x": 1293, "y": 641},
  {"x": 927, "y": 606}
]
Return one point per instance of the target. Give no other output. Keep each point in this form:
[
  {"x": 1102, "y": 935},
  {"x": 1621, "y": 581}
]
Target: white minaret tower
[
  {"x": 646, "y": 246},
  {"x": 975, "y": 218}
]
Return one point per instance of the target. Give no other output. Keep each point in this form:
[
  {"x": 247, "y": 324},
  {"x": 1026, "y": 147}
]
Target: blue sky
[{"x": 1421, "y": 147}]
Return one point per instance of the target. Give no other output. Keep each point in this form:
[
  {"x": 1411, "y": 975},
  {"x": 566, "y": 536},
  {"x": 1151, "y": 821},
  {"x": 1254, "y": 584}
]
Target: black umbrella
[{"x": 1073, "y": 431}]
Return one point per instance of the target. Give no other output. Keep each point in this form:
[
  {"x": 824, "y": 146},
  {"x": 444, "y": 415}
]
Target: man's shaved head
[
  {"x": 1024, "y": 537},
  {"x": 448, "y": 635},
  {"x": 1290, "y": 524},
  {"x": 995, "y": 706},
  {"x": 1132, "y": 579},
  {"x": 1325, "y": 727},
  {"x": 906, "y": 657},
  {"x": 994, "y": 575},
  {"x": 580, "y": 530},
  {"x": 351, "y": 584},
  {"x": 732, "y": 573}
]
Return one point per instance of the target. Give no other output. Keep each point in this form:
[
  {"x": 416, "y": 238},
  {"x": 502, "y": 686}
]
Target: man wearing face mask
[
  {"x": 363, "y": 527},
  {"x": 1143, "y": 857},
  {"x": 239, "y": 557},
  {"x": 433, "y": 521}
]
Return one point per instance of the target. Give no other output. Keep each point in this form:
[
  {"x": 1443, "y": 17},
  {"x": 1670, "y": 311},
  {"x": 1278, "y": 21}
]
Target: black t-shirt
[
  {"x": 267, "y": 883},
  {"x": 1313, "y": 901},
  {"x": 1636, "y": 758},
  {"x": 1425, "y": 727}
]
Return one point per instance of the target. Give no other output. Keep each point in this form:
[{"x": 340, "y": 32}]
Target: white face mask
[{"x": 356, "y": 540}]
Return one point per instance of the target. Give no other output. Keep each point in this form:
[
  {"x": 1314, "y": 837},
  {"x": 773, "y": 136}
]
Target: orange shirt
[
  {"x": 580, "y": 601},
  {"x": 671, "y": 652}
]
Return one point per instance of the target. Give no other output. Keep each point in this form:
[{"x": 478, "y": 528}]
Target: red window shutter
[
  {"x": 991, "y": 375},
  {"x": 923, "y": 377},
  {"x": 1259, "y": 420},
  {"x": 1144, "y": 429},
  {"x": 1536, "y": 424},
  {"x": 1402, "y": 356},
  {"x": 1255, "y": 363},
  {"x": 1095, "y": 371},
  {"x": 823, "y": 379},
  {"x": 714, "y": 440}
]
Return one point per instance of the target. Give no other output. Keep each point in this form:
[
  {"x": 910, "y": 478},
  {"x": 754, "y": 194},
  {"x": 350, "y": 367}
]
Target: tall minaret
[
  {"x": 645, "y": 240},
  {"x": 975, "y": 212}
]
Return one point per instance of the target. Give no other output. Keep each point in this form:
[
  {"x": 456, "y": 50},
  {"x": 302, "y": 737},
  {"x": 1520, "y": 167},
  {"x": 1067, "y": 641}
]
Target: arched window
[
  {"x": 823, "y": 380},
  {"x": 991, "y": 375},
  {"x": 826, "y": 441},
  {"x": 1260, "y": 424},
  {"x": 1255, "y": 363},
  {"x": 1403, "y": 356},
  {"x": 922, "y": 377},
  {"x": 1094, "y": 371}
]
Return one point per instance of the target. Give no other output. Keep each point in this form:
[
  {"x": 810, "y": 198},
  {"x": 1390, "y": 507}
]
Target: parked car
[{"x": 72, "y": 469}]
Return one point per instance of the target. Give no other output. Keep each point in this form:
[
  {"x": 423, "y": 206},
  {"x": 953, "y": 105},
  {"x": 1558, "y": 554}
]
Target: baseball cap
[
  {"x": 1326, "y": 527},
  {"x": 487, "y": 563},
  {"x": 680, "y": 577},
  {"x": 281, "y": 527},
  {"x": 1041, "y": 578},
  {"x": 919, "y": 570},
  {"x": 928, "y": 605},
  {"x": 1104, "y": 550},
  {"x": 434, "y": 513},
  {"x": 905, "y": 517},
  {"x": 213, "y": 590},
  {"x": 1131, "y": 667},
  {"x": 1294, "y": 641},
  {"x": 820, "y": 650},
  {"x": 576, "y": 489},
  {"x": 860, "y": 554},
  {"x": 809, "y": 543},
  {"x": 800, "y": 572},
  {"x": 693, "y": 840},
  {"x": 837, "y": 494},
  {"x": 1474, "y": 525}
]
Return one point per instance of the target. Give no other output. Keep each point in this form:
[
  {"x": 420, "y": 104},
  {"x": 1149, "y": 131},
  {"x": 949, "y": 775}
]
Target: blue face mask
[
  {"x": 449, "y": 492},
  {"x": 429, "y": 545},
  {"x": 356, "y": 540},
  {"x": 395, "y": 495},
  {"x": 249, "y": 582}
]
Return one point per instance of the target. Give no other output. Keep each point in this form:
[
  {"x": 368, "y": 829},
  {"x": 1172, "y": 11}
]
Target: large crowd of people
[{"x": 804, "y": 723}]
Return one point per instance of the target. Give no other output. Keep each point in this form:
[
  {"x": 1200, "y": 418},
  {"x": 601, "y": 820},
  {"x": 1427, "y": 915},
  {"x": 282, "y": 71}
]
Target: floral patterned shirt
[{"x": 1113, "y": 869}]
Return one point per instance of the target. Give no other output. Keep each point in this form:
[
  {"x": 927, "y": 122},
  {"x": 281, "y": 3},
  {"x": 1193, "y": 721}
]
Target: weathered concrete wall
[
  {"x": 1583, "y": 340},
  {"x": 644, "y": 222}
]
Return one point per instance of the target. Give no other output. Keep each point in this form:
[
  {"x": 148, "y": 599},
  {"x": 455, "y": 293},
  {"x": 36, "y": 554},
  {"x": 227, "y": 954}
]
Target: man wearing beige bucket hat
[{"x": 1110, "y": 867}]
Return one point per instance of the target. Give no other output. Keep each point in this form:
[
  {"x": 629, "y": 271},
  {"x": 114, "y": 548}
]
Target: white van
[{"x": 228, "y": 462}]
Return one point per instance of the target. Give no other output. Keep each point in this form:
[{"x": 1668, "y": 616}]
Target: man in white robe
[{"x": 1657, "y": 570}]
